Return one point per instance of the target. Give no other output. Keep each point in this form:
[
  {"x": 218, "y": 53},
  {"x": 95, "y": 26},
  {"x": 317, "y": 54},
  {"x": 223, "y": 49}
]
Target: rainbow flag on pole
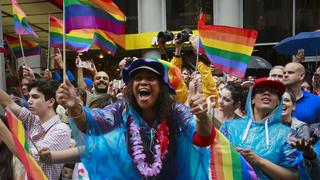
[
  {"x": 17, "y": 131},
  {"x": 20, "y": 20},
  {"x": 30, "y": 48},
  {"x": 76, "y": 40},
  {"x": 228, "y": 48},
  {"x": 227, "y": 163},
  {"x": 94, "y": 14},
  {"x": 104, "y": 42},
  {"x": 102, "y": 15},
  {"x": 80, "y": 40}
]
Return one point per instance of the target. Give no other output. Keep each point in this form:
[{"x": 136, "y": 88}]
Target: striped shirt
[{"x": 52, "y": 134}]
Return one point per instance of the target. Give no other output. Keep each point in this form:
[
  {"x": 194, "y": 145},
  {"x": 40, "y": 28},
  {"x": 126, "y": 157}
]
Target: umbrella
[
  {"x": 309, "y": 41},
  {"x": 257, "y": 62}
]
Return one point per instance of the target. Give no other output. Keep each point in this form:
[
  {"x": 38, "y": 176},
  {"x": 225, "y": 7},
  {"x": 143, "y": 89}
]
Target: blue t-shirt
[{"x": 308, "y": 110}]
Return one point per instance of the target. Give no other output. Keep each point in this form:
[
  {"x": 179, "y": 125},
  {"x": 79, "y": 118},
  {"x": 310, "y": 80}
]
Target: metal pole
[{"x": 2, "y": 60}]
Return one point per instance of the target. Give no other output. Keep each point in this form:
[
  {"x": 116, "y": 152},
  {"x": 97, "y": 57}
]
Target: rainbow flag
[
  {"x": 20, "y": 20},
  {"x": 227, "y": 163},
  {"x": 76, "y": 40},
  {"x": 104, "y": 42},
  {"x": 80, "y": 40},
  {"x": 94, "y": 14},
  {"x": 228, "y": 48},
  {"x": 17, "y": 131},
  {"x": 55, "y": 32},
  {"x": 30, "y": 48}
]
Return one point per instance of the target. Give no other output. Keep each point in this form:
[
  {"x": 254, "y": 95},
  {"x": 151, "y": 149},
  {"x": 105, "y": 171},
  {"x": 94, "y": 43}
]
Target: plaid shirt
[{"x": 52, "y": 134}]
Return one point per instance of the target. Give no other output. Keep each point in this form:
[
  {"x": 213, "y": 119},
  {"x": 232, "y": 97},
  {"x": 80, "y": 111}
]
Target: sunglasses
[{"x": 272, "y": 90}]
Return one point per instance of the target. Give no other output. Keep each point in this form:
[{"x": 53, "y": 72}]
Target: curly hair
[{"x": 164, "y": 105}]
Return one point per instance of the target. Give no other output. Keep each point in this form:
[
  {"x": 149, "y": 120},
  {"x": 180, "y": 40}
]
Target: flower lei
[{"x": 160, "y": 148}]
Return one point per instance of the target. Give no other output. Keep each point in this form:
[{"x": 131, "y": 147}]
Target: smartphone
[{"x": 115, "y": 84}]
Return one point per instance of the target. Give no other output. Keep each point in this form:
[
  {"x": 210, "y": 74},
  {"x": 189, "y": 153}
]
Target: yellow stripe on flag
[
  {"x": 242, "y": 49},
  {"x": 56, "y": 30},
  {"x": 226, "y": 158}
]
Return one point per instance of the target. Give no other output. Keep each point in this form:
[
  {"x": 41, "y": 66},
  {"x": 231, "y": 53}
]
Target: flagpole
[
  {"x": 64, "y": 43},
  {"x": 49, "y": 48},
  {"x": 197, "y": 60},
  {"x": 23, "y": 58}
]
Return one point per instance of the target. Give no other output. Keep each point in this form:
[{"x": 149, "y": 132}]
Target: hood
[{"x": 274, "y": 117}]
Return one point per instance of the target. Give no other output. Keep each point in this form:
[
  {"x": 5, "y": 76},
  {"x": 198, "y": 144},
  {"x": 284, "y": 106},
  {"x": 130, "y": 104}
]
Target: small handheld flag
[{"x": 228, "y": 48}]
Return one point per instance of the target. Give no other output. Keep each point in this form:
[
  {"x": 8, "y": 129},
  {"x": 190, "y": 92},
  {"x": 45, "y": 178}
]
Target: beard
[{"x": 99, "y": 89}]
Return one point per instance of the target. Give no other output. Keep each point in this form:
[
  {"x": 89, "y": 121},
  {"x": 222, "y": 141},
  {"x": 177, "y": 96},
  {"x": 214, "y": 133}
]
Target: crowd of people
[{"x": 144, "y": 127}]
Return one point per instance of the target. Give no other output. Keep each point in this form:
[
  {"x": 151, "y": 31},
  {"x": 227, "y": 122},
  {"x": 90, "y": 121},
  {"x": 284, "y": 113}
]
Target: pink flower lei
[{"x": 160, "y": 147}]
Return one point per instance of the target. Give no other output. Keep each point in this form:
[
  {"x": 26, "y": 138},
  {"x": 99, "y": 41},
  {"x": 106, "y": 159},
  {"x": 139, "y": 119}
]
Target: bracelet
[{"x": 76, "y": 116}]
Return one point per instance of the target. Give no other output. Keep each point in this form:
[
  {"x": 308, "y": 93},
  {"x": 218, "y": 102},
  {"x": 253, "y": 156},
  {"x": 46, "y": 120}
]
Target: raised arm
[
  {"x": 81, "y": 116},
  {"x": 66, "y": 96},
  {"x": 6, "y": 101},
  {"x": 205, "y": 132},
  {"x": 80, "y": 81}
]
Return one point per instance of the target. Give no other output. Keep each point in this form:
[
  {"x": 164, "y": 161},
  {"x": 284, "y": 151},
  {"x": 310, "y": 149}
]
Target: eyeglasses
[{"x": 272, "y": 90}]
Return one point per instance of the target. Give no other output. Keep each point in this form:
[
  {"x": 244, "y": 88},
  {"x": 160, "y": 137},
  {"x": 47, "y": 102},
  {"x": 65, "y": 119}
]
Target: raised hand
[
  {"x": 92, "y": 68},
  {"x": 198, "y": 103},
  {"x": 27, "y": 72},
  {"x": 47, "y": 74},
  {"x": 66, "y": 95},
  {"x": 306, "y": 146},
  {"x": 194, "y": 41}
]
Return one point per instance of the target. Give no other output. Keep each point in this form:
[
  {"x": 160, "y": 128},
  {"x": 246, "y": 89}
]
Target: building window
[
  {"x": 182, "y": 14},
  {"x": 130, "y": 9},
  {"x": 272, "y": 19},
  {"x": 307, "y": 15}
]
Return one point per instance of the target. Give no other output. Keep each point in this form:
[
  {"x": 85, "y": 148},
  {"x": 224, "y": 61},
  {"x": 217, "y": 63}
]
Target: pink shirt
[{"x": 53, "y": 134}]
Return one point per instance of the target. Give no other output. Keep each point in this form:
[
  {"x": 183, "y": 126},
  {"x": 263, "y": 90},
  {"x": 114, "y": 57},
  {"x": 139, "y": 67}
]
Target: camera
[
  {"x": 184, "y": 35},
  {"x": 129, "y": 60},
  {"x": 165, "y": 36}
]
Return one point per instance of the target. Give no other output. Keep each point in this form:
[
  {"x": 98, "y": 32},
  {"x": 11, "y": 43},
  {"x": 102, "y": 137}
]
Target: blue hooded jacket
[{"x": 267, "y": 138}]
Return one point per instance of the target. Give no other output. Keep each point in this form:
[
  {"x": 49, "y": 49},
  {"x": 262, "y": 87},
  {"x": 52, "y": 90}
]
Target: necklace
[{"x": 160, "y": 148}]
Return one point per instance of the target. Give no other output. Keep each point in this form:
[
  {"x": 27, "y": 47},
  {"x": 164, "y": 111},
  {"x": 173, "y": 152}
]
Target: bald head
[
  {"x": 294, "y": 74},
  {"x": 297, "y": 66}
]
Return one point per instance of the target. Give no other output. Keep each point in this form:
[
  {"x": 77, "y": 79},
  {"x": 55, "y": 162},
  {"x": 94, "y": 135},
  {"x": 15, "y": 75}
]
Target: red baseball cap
[{"x": 269, "y": 82}]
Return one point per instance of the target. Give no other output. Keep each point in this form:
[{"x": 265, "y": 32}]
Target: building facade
[{"x": 273, "y": 19}]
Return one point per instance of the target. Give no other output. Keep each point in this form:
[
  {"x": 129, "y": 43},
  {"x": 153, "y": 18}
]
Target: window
[
  {"x": 130, "y": 9},
  {"x": 307, "y": 15},
  {"x": 271, "y": 18},
  {"x": 185, "y": 13}
]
